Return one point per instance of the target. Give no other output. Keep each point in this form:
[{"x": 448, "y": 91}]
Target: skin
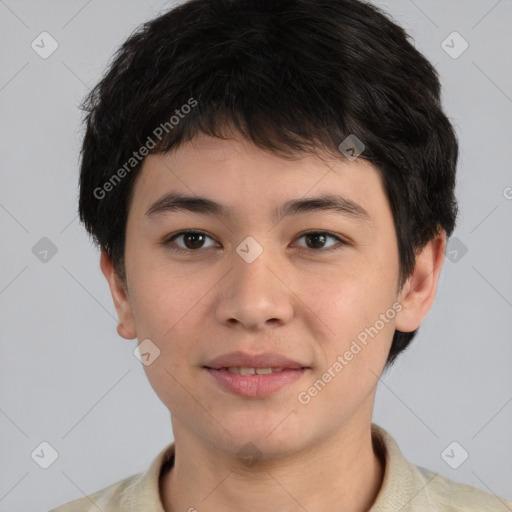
[{"x": 298, "y": 300}]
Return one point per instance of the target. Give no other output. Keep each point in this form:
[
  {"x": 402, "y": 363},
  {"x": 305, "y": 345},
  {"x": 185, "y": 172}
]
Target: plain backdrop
[{"x": 67, "y": 378}]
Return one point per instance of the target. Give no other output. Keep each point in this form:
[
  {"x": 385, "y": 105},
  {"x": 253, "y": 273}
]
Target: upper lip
[{"x": 245, "y": 360}]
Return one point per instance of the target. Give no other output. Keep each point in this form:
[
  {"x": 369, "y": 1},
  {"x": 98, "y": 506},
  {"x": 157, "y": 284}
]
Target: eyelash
[{"x": 167, "y": 241}]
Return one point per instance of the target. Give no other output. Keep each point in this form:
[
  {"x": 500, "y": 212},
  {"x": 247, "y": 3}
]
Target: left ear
[
  {"x": 419, "y": 291},
  {"x": 126, "y": 323}
]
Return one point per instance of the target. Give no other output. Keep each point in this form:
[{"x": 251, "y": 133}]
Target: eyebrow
[{"x": 175, "y": 202}]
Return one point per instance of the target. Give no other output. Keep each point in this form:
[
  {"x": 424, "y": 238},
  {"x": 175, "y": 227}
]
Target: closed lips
[
  {"x": 251, "y": 371},
  {"x": 245, "y": 363}
]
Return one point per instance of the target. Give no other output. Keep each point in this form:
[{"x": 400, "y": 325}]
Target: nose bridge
[
  {"x": 253, "y": 294},
  {"x": 251, "y": 267}
]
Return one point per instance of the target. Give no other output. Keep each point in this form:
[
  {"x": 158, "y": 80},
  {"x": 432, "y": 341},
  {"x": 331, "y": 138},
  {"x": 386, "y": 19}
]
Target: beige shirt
[{"x": 405, "y": 488}]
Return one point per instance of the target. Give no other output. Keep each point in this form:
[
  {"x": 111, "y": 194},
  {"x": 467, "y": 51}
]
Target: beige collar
[{"x": 399, "y": 487}]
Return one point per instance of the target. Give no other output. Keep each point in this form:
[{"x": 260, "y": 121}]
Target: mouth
[
  {"x": 240, "y": 362},
  {"x": 250, "y": 382},
  {"x": 251, "y": 371},
  {"x": 254, "y": 375}
]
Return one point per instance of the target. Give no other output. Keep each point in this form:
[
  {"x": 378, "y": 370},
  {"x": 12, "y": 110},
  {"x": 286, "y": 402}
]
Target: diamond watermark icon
[
  {"x": 44, "y": 45},
  {"x": 44, "y": 455},
  {"x": 146, "y": 352},
  {"x": 454, "y": 45},
  {"x": 249, "y": 249},
  {"x": 454, "y": 455},
  {"x": 44, "y": 249},
  {"x": 249, "y": 454},
  {"x": 351, "y": 147},
  {"x": 455, "y": 249}
]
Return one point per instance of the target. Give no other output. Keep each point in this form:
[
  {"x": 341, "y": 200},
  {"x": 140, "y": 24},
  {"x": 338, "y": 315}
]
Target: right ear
[{"x": 126, "y": 326}]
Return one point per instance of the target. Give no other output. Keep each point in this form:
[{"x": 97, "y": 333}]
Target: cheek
[
  {"x": 162, "y": 298},
  {"x": 355, "y": 350},
  {"x": 356, "y": 303},
  {"x": 354, "y": 295},
  {"x": 165, "y": 308},
  {"x": 363, "y": 325}
]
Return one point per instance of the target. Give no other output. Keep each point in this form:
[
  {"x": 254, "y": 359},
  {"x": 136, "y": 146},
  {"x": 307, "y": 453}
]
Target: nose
[{"x": 255, "y": 295}]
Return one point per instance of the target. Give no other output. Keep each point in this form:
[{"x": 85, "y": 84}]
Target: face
[{"x": 317, "y": 286}]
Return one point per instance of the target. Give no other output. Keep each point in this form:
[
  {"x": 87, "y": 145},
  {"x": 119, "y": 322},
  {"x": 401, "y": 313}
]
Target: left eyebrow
[{"x": 173, "y": 202}]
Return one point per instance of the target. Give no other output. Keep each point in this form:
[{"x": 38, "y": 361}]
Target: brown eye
[
  {"x": 315, "y": 240},
  {"x": 192, "y": 241}
]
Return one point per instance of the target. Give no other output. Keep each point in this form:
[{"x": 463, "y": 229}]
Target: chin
[{"x": 269, "y": 435}]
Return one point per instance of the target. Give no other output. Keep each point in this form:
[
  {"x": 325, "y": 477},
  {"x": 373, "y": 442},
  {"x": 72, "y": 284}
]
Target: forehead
[{"x": 244, "y": 178}]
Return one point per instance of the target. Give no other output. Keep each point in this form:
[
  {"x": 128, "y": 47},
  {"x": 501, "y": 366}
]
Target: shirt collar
[{"x": 401, "y": 481}]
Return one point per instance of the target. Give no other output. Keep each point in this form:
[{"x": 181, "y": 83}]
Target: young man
[{"x": 271, "y": 184}]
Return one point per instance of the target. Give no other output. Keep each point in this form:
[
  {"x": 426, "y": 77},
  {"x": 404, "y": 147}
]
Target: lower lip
[{"x": 255, "y": 386}]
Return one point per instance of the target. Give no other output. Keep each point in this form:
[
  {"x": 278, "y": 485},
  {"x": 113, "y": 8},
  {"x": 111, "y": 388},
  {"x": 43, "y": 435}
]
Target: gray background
[{"x": 68, "y": 379}]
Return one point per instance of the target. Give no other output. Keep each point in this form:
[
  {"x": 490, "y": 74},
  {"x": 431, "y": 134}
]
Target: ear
[
  {"x": 419, "y": 291},
  {"x": 126, "y": 326}
]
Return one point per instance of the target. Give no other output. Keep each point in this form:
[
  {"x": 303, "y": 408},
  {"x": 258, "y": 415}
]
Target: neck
[{"x": 341, "y": 472}]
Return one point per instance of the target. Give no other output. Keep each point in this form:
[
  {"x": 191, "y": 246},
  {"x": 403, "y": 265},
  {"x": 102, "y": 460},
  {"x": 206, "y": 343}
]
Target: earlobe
[
  {"x": 126, "y": 327},
  {"x": 418, "y": 293}
]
